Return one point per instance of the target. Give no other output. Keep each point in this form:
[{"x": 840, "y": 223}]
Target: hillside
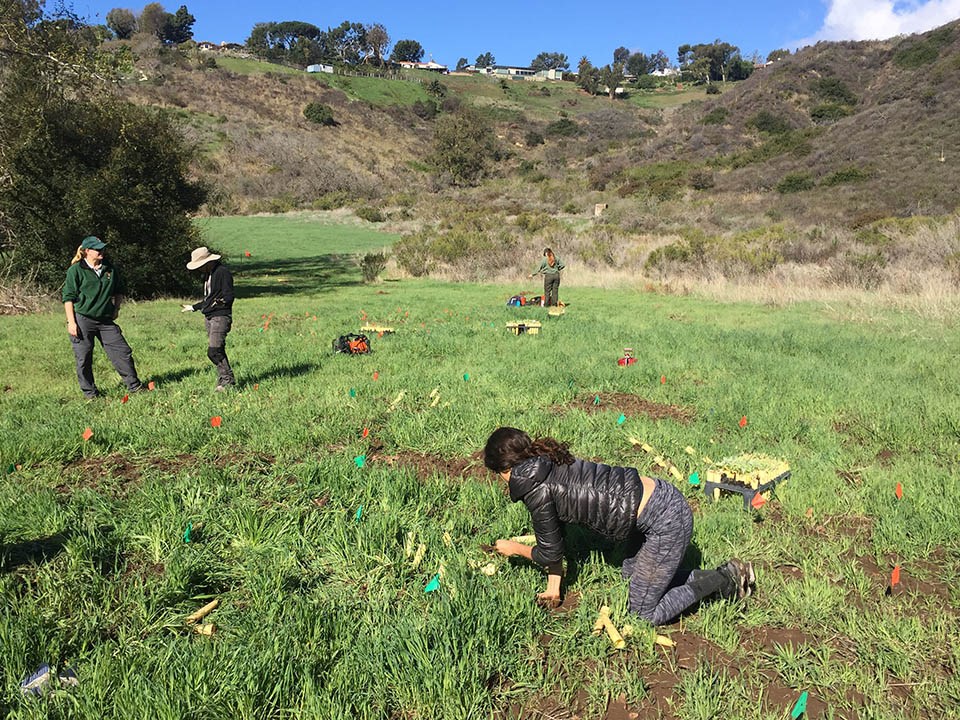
[{"x": 789, "y": 166}]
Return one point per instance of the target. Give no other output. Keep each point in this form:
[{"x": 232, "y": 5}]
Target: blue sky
[{"x": 515, "y": 32}]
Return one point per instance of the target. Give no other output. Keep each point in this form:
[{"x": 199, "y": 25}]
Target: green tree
[
  {"x": 122, "y": 22},
  {"x": 464, "y": 147},
  {"x": 407, "y": 51},
  {"x": 717, "y": 56},
  {"x": 462, "y": 64},
  {"x": 485, "y": 60},
  {"x": 778, "y": 54},
  {"x": 550, "y": 61},
  {"x": 319, "y": 113},
  {"x": 178, "y": 27},
  {"x": 612, "y": 77},
  {"x": 620, "y": 56},
  {"x": 588, "y": 77},
  {"x": 638, "y": 64},
  {"x": 78, "y": 161},
  {"x": 377, "y": 43},
  {"x": 152, "y": 19},
  {"x": 345, "y": 43}
]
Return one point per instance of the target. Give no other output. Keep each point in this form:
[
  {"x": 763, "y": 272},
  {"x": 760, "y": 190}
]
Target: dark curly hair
[{"x": 508, "y": 446}]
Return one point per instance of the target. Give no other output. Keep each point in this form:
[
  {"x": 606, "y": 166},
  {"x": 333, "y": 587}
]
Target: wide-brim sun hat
[{"x": 200, "y": 257}]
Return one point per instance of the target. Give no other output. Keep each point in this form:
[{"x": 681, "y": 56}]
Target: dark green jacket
[
  {"x": 92, "y": 296},
  {"x": 545, "y": 268}
]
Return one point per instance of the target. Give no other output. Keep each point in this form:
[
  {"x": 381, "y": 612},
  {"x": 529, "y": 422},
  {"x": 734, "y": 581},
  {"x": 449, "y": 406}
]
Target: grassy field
[{"x": 307, "y": 505}]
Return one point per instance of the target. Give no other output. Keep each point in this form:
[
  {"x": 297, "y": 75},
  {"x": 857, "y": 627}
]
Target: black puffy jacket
[{"x": 600, "y": 497}]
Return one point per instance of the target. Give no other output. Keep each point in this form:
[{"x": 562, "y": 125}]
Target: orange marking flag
[
  {"x": 899, "y": 491},
  {"x": 895, "y": 577},
  {"x": 758, "y": 501},
  {"x": 87, "y": 434},
  {"x": 215, "y": 421},
  {"x": 743, "y": 421},
  {"x": 151, "y": 385}
]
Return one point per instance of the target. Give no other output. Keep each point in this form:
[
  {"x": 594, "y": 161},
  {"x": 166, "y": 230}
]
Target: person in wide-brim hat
[
  {"x": 217, "y": 309},
  {"x": 200, "y": 257}
]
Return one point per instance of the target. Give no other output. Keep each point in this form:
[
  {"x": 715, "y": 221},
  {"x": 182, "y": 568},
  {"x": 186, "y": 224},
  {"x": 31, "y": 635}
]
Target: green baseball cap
[{"x": 92, "y": 243}]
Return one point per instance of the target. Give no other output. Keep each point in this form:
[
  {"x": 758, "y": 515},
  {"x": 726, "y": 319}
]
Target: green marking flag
[
  {"x": 360, "y": 460},
  {"x": 356, "y": 518},
  {"x": 466, "y": 377},
  {"x": 622, "y": 419},
  {"x": 186, "y": 533},
  {"x": 596, "y": 400},
  {"x": 353, "y": 392},
  {"x": 11, "y": 469},
  {"x": 433, "y": 585},
  {"x": 801, "y": 707},
  {"x": 694, "y": 478}
]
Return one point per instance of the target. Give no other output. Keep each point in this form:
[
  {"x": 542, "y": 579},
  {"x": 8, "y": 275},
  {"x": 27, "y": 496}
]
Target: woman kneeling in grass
[{"x": 619, "y": 504}]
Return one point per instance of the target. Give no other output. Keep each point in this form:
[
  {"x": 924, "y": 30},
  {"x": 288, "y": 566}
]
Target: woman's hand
[
  {"x": 186, "y": 308},
  {"x": 509, "y": 548},
  {"x": 72, "y": 328}
]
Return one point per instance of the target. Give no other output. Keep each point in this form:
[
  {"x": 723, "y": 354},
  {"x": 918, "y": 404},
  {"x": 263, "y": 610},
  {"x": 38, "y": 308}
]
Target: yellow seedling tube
[
  {"x": 397, "y": 399},
  {"x": 689, "y": 450},
  {"x": 525, "y": 539},
  {"x": 603, "y": 614},
  {"x": 447, "y": 540},
  {"x": 675, "y": 473},
  {"x": 203, "y": 612},
  {"x": 418, "y": 557},
  {"x": 646, "y": 448},
  {"x": 664, "y": 641},
  {"x": 207, "y": 629},
  {"x": 435, "y": 401},
  {"x": 408, "y": 544},
  {"x": 489, "y": 569}
]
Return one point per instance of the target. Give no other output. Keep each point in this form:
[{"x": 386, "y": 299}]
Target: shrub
[
  {"x": 701, "y": 180},
  {"x": 862, "y": 270},
  {"x": 370, "y": 214},
  {"x": 319, "y": 113},
  {"x": 717, "y": 116},
  {"x": 766, "y": 121},
  {"x": 564, "y": 127},
  {"x": 829, "y": 112},
  {"x": 713, "y": 89},
  {"x": 846, "y": 175},
  {"x": 331, "y": 200},
  {"x": 833, "y": 90},
  {"x": 464, "y": 146},
  {"x": 532, "y": 138},
  {"x": 795, "y": 182},
  {"x": 915, "y": 53},
  {"x": 371, "y": 265},
  {"x": 424, "y": 109}
]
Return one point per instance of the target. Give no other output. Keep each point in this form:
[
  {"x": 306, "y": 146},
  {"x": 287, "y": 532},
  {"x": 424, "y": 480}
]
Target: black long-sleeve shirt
[{"x": 217, "y": 293}]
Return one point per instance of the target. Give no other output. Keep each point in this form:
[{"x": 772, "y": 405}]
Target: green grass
[{"x": 322, "y": 615}]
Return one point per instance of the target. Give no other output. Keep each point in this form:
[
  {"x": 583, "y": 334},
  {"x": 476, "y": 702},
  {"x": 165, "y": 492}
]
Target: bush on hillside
[
  {"x": 713, "y": 89},
  {"x": 795, "y": 182},
  {"x": 533, "y": 138},
  {"x": 424, "y": 109},
  {"x": 765, "y": 121},
  {"x": 833, "y": 90},
  {"x": 370, "y": 214},
  {"x": 846, "y": 175},
  {"x": 319, "y": 113},
  {"x": 564, "y": 127},
  {"x": 829, "y": 112},
  {"x": 464, "y": 147},
  {"x": 915, "y": 53},
  {"x": 717, "y": 116}
]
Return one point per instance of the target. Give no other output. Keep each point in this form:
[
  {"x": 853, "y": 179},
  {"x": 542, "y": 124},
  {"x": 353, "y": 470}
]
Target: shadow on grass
[
  {"x": 289, "y": 371},
  {"x": 321, "y": 273},
  {"x": 29, "y": 552},
  {"x": 171, "y": 376}
]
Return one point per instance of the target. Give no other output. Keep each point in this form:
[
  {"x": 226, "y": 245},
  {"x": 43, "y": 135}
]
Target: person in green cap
[
  {"x": 92, "y": 294},
  {"x": 550, "y": 268}
]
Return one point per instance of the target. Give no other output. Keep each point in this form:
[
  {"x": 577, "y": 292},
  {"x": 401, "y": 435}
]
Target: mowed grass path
[{"x": 309, "y": 533}]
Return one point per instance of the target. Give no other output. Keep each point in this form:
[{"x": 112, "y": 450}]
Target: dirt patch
[
  {"x": 631, "y": 405},
  {"x": 115, "y": 474},
  {"x": 779, "y": 700},
  {"x": 428, "y": 466},
  {"x": 571, "y": 601},
  {"x": 769, "y": 638}
]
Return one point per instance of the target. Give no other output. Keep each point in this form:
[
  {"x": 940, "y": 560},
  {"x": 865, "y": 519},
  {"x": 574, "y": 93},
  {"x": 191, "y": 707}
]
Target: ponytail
[
  {"x": 78, "y": 256},
  {"x": 509, "y": 446}
]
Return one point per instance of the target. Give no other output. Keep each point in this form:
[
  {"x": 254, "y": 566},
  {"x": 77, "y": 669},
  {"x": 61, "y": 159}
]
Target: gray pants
[
  {"x": 217, "y": 329},
  {"x": 551, "y": 290},
  {"x": 114, "y": 345},
  {"x": 664, "y": 530}
]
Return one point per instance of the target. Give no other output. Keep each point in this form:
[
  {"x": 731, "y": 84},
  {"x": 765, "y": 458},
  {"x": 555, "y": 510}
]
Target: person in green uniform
[
  {"x": 92, "y": 294},
  {"x": 550, "y": 268}
]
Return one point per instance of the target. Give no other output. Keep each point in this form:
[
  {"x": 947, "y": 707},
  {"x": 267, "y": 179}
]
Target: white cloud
[{"x": 880, "y": 19}]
